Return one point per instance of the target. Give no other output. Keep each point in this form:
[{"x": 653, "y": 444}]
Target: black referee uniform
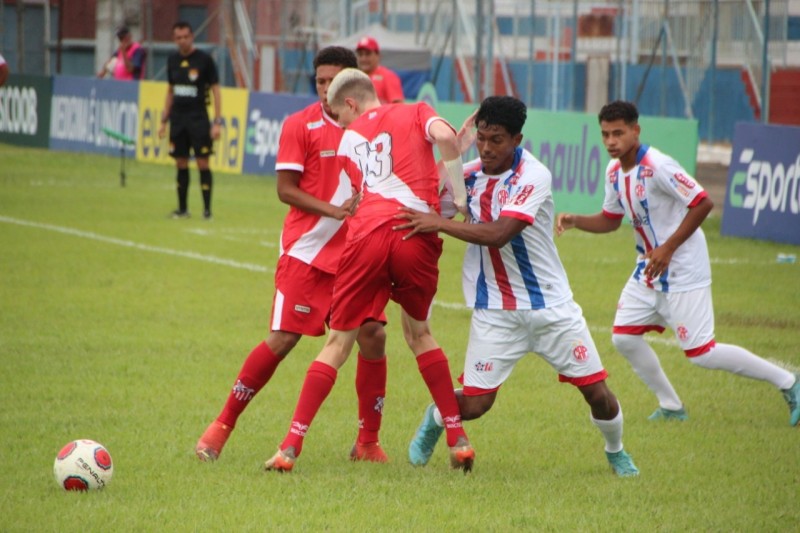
[{"x": 191, "y": 77}]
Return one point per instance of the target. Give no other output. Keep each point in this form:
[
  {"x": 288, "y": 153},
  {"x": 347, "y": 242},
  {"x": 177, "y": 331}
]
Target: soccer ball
[{"x": 83, "y": 465}]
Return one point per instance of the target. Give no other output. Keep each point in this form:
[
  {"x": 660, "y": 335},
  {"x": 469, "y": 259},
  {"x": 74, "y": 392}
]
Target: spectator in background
[
  {"x": 3, "y": 70},
  {"x": 127, "y": 63},
  {"x": 387, "y": 83}
]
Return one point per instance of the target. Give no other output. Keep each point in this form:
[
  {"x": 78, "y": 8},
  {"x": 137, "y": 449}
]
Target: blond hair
[{"x": 351, "y": 83}]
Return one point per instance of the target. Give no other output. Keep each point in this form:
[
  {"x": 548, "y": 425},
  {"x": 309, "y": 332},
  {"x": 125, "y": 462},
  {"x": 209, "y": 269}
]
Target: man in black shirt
[{"x": 191, "y": 73}]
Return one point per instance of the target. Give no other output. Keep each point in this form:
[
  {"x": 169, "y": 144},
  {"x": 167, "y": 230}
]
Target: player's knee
[
  {"x": 625, "y": 344},
  {"x": 601, "y": 400},
  {"x": 282, "y": 342},
  {"x": 473, "y": 407},
  {"x": 372, "y": 340}
]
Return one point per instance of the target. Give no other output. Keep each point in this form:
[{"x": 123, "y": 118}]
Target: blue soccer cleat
[
  {"x": 792, "y": 397},
  {"x": 669, "y": 414},
  {"x": 622, "y": 464},
  {"x": 424, "y": 441}
]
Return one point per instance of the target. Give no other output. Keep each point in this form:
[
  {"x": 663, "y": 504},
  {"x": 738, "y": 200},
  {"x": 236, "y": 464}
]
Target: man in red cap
[{"x": 387, "y": 83}]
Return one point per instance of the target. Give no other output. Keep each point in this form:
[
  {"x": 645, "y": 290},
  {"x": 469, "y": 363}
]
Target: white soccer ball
[{"x": 83, "y": 465}]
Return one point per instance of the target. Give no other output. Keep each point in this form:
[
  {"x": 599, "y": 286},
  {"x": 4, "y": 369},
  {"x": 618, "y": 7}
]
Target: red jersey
[
  {"x": 308, "y": 143},
  {"x": 388, "y": 154},
  {"x": 387, "y": 85}
]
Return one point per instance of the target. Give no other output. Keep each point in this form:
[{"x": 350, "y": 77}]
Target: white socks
[
  {"x": 647, "y": 366},
  {"x": 737, "y": 360},
  {"x": 611, "y": 430}
]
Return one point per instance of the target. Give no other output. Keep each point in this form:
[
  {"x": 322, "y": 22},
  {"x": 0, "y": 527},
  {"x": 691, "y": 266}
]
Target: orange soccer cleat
[
  {"x": 282, "y": 461},
  {"x": 368, "y": 452},
  {"x": 462, "y": 455},
  {"x": 210, "y": 445}
]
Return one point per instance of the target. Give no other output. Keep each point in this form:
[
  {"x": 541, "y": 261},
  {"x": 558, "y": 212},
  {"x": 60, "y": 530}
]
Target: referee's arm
[
  {"x": 165, "y": 114},
  {"x": 217, "y": 123}
]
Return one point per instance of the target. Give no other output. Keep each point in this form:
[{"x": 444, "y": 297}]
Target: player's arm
[
  {"x": 660, "y": 257},
  {"x": 445, "y": 139},
  {"x": 217, "y": 123},
  {"x": 597, "y": 223},
  {"x": 165, "y": 113},
  {"x": 104, "y": 70},
  {"x": 495, "y": 234},
  {"x": 290, "y": 193}
]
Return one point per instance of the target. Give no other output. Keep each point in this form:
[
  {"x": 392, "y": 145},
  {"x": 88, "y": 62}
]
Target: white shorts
[
  {"x": 498, "y": 339},
  {"x": 690, "y": 314}
]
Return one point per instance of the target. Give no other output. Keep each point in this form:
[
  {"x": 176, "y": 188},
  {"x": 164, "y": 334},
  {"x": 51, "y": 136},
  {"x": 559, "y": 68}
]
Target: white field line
[
  {"x": 139, "y": 246},
  {"x": 244, "y": 266}
]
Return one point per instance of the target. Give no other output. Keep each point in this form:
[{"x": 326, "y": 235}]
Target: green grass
[{"x": 111, "y": 329}]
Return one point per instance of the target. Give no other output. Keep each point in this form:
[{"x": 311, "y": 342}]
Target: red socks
[
  {"x": 435, "y": 371},
  {"x": 255, "y": 373},
  {"x": 319, "y": 381},
  {"x": 371, "y": 390}
]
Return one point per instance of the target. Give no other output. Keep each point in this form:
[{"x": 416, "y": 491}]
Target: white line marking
[{"x": 139, "y": 246}]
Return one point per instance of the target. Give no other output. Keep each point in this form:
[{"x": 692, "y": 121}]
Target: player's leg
[
  {"x": 636, "y": 315},
  {"x": 299, "y": 307},
  {"x": 692, "y": 318},
  {"x": 371, "y": 391},
  {"x": 319, "y": 381},
  {"x": 560, "y": 335},
  {"x": 180, "y": 144},
  {"x": 203, "y": 147}
]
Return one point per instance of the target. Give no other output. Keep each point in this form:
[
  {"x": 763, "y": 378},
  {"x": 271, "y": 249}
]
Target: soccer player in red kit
[
  {"x": 387, "y": 152},
  {"x": 319, "y": 199}
]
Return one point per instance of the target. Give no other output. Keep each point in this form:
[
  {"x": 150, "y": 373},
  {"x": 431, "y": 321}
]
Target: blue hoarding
[
  {"x": 265, "y": 116},
  {"x": 762, "y": 200},
  {"x": 83, "y": 107}
]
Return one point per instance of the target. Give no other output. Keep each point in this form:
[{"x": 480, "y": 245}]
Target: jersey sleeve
[
  {"x": 170, "y": 79},
  {"x": 612, "y": 207},
  {"x": 292, "y": 145},
  {"x": 212, "y": 75},
  {"x": 673, "y": 179},
  {"x": 426, "y": 116},
  {"x": 532, "y": 189}
]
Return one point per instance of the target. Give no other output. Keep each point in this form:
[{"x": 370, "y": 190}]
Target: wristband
[{"x": 218, "y": 121}]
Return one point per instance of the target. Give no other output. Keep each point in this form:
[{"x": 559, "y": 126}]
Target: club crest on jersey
[
  {"x": 639, "y": 190},
  {"x": 483, "y": 366},
  {"x": 684, "y": 180},
  {"x": 682, "y": 332},
  {"x": 580, "y": 352},
  {"x": 646, "y": 172},
  {"x": 502, "y": 196},
  {"x": 193, "y": 74}
]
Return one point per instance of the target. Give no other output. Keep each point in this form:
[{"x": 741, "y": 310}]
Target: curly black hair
[
  {"x": 619, "y": 109},
  {"x": 505, "y": 111},
  {"x": 336, "y": 55}
]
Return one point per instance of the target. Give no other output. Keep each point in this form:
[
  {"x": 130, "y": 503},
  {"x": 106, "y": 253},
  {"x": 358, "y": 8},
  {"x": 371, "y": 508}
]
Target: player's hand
[
  {"x": 351, "y": 204},
  {"x": 162, "y": 131},
  {"x": 564, "y": 221},
  {"x": 466, "y": 135},
  {"x": 658, "y": 260},
  {"x": 418, "y": 222},
  {"x": 215, "y": 130}
]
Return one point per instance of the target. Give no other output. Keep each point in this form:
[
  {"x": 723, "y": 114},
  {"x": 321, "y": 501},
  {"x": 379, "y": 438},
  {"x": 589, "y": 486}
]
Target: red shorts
[
  {"x": 302, "y": 300},
  {"x": 380, "y": 266}
]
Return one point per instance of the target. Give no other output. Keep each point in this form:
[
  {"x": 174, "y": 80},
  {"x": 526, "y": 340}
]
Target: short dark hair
[
  {"x": 336, "y": 55},
  {"x": 619, "y": 110},
  {"x": 182, "y": 24},
  {"x": 122, "y": 31},
  {"x": 505, "y": 111}
]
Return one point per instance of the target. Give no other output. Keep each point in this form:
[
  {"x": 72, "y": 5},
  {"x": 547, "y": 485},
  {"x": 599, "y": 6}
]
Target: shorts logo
[
  {"x": 302, "y": 309},
  {"x": 580, "y": 352},
  {"x": 683, "y": 179},
  {"x": 682, "y": 332},
  {"x": 327, "y": 153},
  {"x": 482, "y": 366}
]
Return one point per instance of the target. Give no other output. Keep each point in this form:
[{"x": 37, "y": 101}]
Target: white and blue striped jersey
[
  {"x": 526, "y": 273},
  {"x": 655, "y": 195}
]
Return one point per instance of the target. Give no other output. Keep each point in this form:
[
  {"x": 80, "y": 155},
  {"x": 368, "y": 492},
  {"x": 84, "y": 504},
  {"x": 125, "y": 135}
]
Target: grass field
[{"x": 123, "y": 326}]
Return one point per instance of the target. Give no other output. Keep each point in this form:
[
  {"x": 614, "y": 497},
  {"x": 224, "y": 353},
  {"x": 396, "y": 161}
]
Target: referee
[{"x": 190, "y": 74}]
